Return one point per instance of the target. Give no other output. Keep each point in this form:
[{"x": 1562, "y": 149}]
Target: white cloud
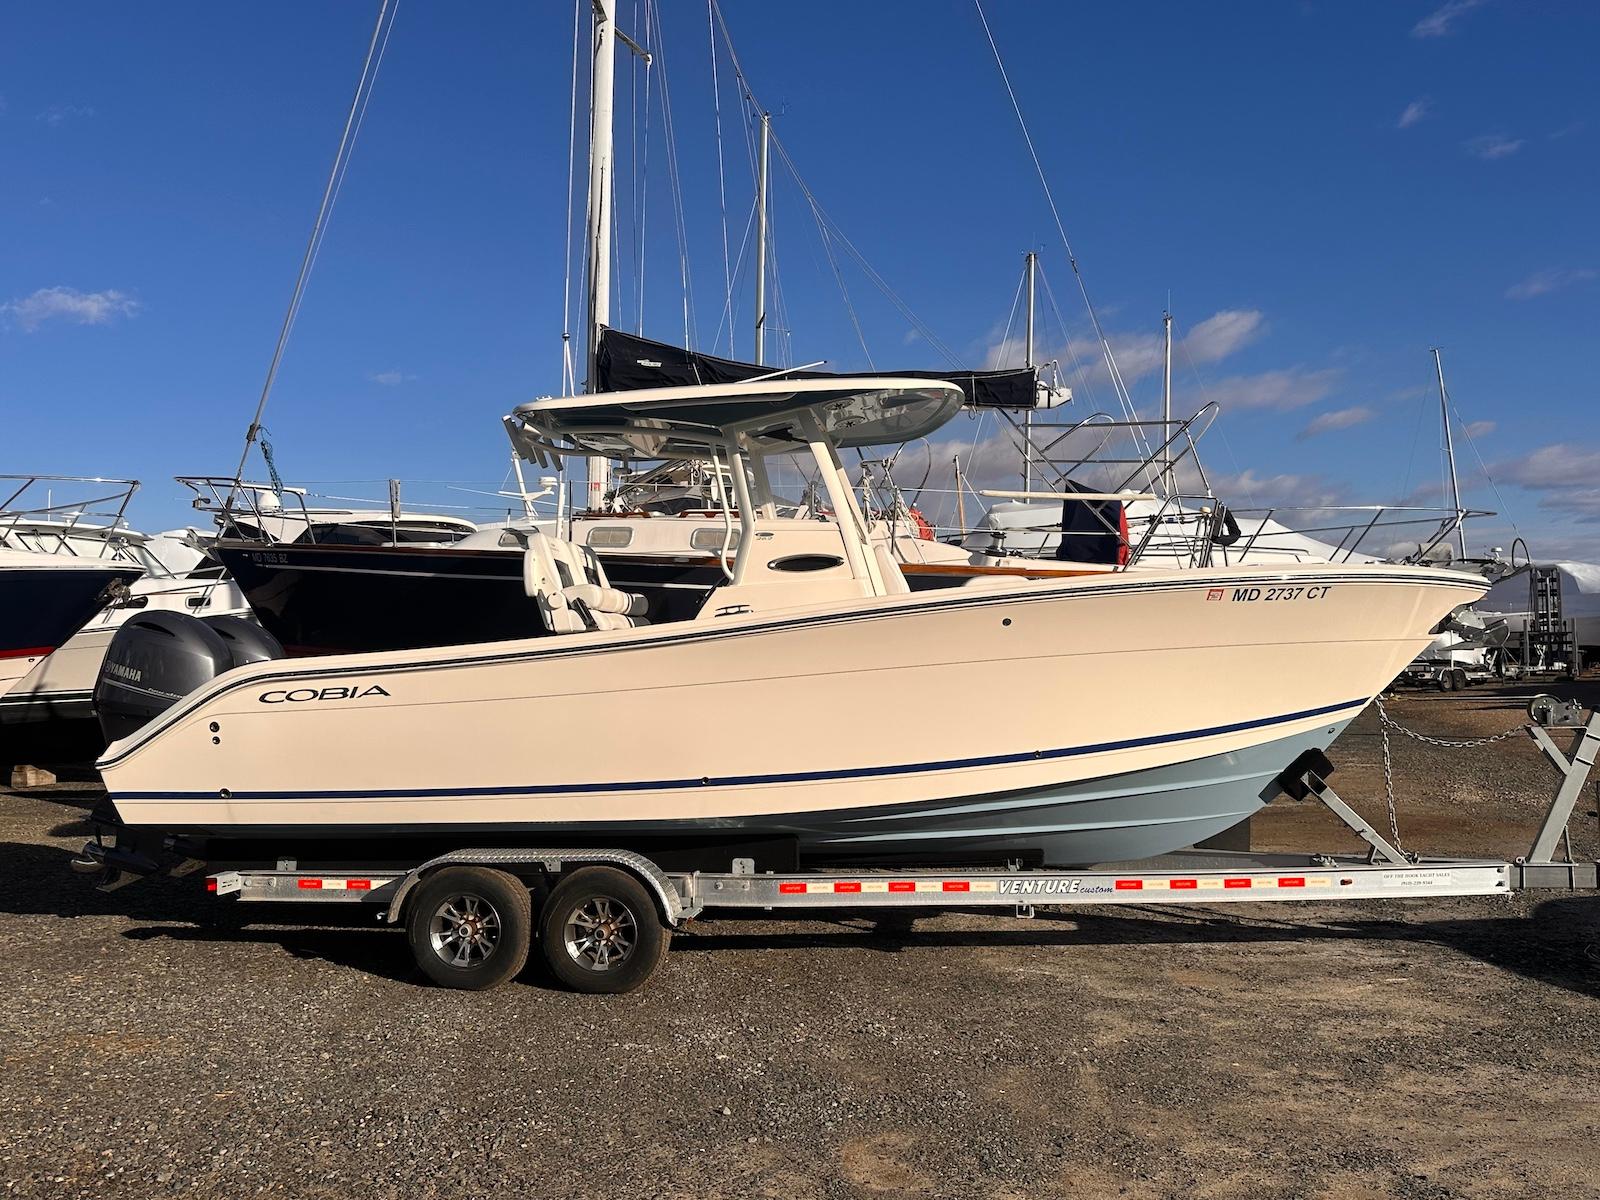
[
  {"x": 70, "y": 305},
  {"x": 1222, "y": 334},
  {"x": 1249, "y": 490},
  {"x": 1491, "y": 146},
  {"x": 1580, "y": 504},
  {"x": 1542, "y": 282},
  {"x": 1479, "y": 429},
  {"x": 1438, "y": 23},
  {"x": 1414, "y": 112},
  {"x": 1217, "y": 337},
  {"x": 1294, "y": 387},
  {"x": 1560, "y": 465},
  {"x": 1410, "y": 393},
  {"x": 391, "y": 378},
  {"x": 57, "y": 113},
  {"x": 1336, "y": 419}
]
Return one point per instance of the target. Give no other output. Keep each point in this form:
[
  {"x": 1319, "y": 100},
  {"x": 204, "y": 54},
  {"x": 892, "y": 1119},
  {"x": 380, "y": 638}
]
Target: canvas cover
[{"x": 627, "y": 363}]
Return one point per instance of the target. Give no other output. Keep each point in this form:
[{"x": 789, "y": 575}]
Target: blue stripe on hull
[{"x": 991, "y": 760}]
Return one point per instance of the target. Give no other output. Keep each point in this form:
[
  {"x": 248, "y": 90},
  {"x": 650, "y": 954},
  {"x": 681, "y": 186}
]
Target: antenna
[
  {"x": 1166, "y": 402},
  {"x": 1450, "y": 452},
  {"x": 1031, "y": 269},
  {"x": 761, "y": 240}
]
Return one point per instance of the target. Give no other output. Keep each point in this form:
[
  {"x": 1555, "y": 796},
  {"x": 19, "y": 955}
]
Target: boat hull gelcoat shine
[{"x": 1096, "y": 719}]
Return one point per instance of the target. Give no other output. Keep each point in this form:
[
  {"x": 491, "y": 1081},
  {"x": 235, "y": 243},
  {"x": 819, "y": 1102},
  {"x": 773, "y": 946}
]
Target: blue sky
[{"x": 1325, "y": 191}]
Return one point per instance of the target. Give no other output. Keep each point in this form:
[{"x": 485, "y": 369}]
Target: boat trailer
[{"x": 603, "y": 917}]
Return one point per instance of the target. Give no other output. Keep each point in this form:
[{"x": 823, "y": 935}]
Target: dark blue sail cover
[{"x": 625, "y": 363}]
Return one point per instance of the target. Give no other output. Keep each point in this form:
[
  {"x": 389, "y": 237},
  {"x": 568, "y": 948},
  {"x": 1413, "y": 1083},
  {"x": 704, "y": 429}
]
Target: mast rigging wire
[
  {"x": 674, "y": 178},
  {"x": 644, "y": 167},
  {"x": 1117, "y": 382},
  {"x": 722, "y": 188},
  {"x": 818, "y": 213},
  {"x": 379, "y": 42},
  {"x": 1450, "y": 405},
  {"x": 569, "y": 379}
]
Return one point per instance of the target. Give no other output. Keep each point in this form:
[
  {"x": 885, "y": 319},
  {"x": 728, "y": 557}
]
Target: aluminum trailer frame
[{"x": 1191, "y": 877}]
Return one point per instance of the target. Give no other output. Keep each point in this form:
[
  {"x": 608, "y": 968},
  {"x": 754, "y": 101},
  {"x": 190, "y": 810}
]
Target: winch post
[{"x": 1574, "y": 774}]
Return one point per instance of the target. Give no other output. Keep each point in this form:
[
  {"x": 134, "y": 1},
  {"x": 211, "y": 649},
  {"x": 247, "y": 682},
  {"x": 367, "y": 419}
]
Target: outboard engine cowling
[
  {"x": 247, "y": 641},
  {"x": 155, "y": 660}
]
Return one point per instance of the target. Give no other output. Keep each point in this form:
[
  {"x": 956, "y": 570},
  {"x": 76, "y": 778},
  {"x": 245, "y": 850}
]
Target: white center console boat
[{"x": 814, "y": 706}]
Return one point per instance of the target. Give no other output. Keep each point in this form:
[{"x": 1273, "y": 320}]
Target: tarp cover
[
  {"x": 626, "y": 363},
  {"x": 1092, "y": 531}
]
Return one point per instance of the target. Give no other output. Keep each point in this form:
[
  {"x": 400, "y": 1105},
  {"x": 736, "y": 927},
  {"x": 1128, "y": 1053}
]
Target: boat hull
[
  {"x": 1091, "y": 720},
  {"x": 42, "y": 607}
]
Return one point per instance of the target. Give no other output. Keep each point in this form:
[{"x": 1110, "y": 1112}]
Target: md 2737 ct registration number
[{"x": 1247, "y": 594}]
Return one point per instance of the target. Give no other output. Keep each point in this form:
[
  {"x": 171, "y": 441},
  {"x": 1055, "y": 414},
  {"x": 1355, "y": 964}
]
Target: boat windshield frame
[{"x": 814, "y": 417}]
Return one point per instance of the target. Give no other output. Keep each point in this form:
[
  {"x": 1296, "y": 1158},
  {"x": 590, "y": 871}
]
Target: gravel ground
[{"x": 152, "y": 1044}]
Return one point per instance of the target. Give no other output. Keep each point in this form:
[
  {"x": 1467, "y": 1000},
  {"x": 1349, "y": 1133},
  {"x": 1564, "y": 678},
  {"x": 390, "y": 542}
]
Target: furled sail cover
[{"x": 625, "y": 363}]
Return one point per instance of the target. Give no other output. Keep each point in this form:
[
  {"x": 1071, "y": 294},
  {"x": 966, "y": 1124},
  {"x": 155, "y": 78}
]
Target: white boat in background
[
  {"x": 55, "y": 571},
  {"x": 1133, "y": 493},
  {"x": 1511, "y": 601},
  {"x": 178, "y": 577}
]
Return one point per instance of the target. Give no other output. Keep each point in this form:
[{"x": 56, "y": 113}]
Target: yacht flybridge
[{"x": 1097, "y": 718}]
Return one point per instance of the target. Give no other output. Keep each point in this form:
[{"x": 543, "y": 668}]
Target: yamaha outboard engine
[
  {"x": 247, "y": 641},
  {"x": 157, "y": 658}
]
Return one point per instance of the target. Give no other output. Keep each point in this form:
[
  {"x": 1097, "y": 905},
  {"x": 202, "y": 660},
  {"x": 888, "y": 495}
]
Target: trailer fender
[{"x": 669, "y": 903}]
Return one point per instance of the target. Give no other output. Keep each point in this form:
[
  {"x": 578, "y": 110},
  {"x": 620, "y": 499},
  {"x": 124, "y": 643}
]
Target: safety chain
[
  {"x": 1446, "y": 743},
  {"x": 1386, "y": 723}
]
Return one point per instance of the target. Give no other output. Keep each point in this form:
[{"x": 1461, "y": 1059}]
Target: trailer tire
[
  {"x": 470, "y": 927},
  {"x": 601, "y": 932}
]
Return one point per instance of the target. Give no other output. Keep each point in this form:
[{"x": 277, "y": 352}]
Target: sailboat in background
[{"x": 1129, "y": 492}]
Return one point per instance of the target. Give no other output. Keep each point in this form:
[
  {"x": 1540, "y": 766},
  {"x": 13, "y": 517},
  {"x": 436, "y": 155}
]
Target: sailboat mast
[
  {"x": 1166, "y": 405},
  {"x": 602, "y": 88},
  {"x": 761, "y": 240},
  {"x": 1031, "y": 261},
  {"x": 1450, "y": 452}
]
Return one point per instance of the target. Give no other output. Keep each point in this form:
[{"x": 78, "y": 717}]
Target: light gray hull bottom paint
[
  {"x": 1117, "y": 818},
  {"x": 1114, "y": 818}
]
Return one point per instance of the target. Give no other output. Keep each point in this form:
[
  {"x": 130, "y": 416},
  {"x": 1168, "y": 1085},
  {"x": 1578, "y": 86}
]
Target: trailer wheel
[
  {"x": 1461, "y": 680},
  {"x": 601, "y": 933},
  {"x": 470, "y": 927}
]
